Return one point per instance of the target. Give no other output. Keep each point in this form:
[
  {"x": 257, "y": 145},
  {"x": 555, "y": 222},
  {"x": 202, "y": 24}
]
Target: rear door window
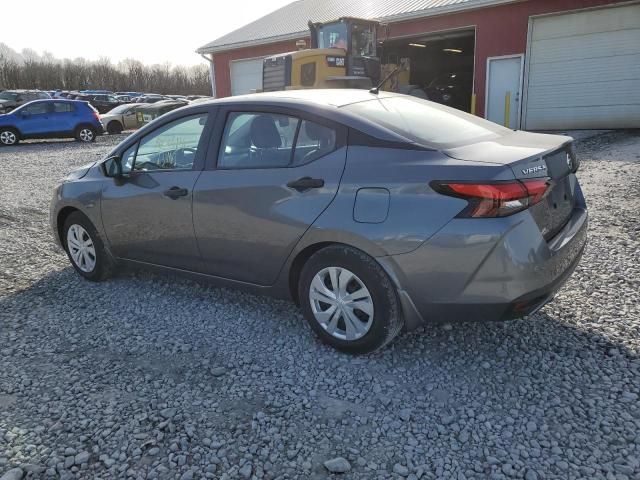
[
  {"x": 270, "y": 140},
  {"x": 257, "y": 140},
  {"x": 60, "y": 107},
  {"x": 314, "y": 141}
]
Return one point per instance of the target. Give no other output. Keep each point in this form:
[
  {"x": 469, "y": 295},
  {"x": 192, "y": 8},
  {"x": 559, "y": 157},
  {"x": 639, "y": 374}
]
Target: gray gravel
[{"x": 150, "y": 376}]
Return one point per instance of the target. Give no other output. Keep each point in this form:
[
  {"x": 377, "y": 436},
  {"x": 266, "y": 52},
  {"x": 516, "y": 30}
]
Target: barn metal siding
[
  {"x": 222, "y": 62},
  {"x": 500, "y": 30}
]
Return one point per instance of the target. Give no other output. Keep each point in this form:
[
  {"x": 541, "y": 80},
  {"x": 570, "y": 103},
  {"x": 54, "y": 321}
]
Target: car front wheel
[
  {"x": 8, "y": 137},
  {"x": 85, "y": 248},
  {"x": 349, "y": 300}
]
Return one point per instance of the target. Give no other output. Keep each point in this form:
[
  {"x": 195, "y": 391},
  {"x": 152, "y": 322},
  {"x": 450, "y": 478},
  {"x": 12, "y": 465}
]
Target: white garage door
[
  {"x": 246, "y": 75},
  {"x": 584, "y": 70}
]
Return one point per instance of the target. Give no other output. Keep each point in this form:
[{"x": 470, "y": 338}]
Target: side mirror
[
  {"x": 112, "y": 167},
  {"x": 25, "y": 114}
]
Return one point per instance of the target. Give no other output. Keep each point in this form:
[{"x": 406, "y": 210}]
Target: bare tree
[{"x": 28, "y": 69}]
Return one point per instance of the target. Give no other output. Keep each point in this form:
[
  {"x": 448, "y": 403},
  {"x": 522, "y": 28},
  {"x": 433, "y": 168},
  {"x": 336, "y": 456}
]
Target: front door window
[{"x": 171, "y": 147}]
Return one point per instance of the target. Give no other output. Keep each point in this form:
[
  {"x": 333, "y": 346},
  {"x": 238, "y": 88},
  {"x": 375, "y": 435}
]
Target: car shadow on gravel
[{"x": 464, "y": 348}]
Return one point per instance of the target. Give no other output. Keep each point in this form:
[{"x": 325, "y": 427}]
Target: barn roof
[{"x": 290, "y": 21}]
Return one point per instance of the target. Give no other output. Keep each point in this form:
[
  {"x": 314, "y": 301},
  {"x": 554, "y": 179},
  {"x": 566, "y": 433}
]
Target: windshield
[
  {"x": 333, "y": 36},
  {"x": 425, "y": 122},
  {"x": 119, "y": 109},
  {"x": 8, "y": 96}
]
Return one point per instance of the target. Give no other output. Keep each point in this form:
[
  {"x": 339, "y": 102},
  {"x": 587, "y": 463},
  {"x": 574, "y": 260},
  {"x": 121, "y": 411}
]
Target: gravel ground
[{"x": 150, "y": 376}]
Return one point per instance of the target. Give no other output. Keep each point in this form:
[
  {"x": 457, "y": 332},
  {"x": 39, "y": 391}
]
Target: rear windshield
[{"x": 427, "y": 123}]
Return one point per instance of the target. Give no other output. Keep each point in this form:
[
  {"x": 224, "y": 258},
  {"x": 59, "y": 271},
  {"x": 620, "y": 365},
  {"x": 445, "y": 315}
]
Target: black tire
[
  {"x": 9, "y": 136},
  {"x": 387, "y": 318},
  {"x": 86, "y": 134},
  {"x": 114, "y": 127},
  {"x": 104, "y": 264}
]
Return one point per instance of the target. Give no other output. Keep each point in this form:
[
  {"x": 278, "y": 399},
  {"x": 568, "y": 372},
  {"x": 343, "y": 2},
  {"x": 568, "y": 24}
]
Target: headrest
[{"x": 264, "y": 133}]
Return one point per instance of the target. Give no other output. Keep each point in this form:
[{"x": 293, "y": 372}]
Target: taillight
[{"x": 495, "y": 199}]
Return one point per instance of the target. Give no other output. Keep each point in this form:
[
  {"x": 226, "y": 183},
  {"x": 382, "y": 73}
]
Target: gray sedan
[{"x": 374, "y": 212}]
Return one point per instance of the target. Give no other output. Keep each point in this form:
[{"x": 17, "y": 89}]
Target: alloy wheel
[
  {"x": 341, "y": 303},
  {"x": 86, "y": 135},
  {"x": 81, "y": 248},
  {"x": 8, "y": 137}
]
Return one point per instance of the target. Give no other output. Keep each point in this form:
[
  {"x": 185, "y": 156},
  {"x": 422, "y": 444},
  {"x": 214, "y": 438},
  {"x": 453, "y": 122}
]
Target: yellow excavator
[{"x": 343, "y": 54}]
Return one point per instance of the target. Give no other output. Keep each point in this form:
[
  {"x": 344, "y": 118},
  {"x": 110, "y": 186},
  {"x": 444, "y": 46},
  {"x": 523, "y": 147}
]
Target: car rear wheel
[
  {"x": 349, "y": 300},
  {"x": 85, "y": 248},
  {"x": 8, "y": 137},
  {"x": 114, "y": 128},
  {"x": 86, "y": 134}
]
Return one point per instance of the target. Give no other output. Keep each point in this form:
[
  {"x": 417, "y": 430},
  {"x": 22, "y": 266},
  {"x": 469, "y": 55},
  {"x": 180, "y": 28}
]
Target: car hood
[
  {"x": 509, "y": 148},
  {"x": 6, "y": 117}
]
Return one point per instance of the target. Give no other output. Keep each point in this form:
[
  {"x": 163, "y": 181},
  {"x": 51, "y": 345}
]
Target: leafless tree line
[{"x": 45, "y": 72}]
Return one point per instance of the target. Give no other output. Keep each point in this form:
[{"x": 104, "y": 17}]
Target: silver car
[{"x": 374, "y": 212}]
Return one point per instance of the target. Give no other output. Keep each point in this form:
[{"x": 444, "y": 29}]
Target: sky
[{"x": 148, "y": 30}]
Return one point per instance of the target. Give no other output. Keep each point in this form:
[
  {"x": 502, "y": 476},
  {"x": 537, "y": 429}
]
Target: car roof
[
  {"x": 323, "y": 103},
  {"x": 57, "y": 100},
  {"x": 333, "y": 97}
]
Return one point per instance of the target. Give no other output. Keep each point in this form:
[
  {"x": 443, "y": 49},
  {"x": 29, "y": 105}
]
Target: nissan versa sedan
[{"x": 374, "y": 212}]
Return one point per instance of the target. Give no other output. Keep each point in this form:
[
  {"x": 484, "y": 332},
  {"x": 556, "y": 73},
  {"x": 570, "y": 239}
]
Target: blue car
[{"x": 51, "y": 119}]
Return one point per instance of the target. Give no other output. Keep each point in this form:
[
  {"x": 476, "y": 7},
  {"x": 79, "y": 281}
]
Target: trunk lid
[{"x": 533, "y": 155}]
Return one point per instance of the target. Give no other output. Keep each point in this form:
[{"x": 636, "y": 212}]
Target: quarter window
[
  {"x": 171, "y": 147},
  {"x": 269, "y": 140}
]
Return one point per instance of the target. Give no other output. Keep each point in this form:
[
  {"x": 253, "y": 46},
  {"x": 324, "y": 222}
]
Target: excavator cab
[{"x": 342, "y": 55}]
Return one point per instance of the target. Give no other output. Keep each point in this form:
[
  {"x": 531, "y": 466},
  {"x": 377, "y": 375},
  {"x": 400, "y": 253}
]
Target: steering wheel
[
  {"x": 181, "y": 154},
  {"x": 146, "y": 166}
]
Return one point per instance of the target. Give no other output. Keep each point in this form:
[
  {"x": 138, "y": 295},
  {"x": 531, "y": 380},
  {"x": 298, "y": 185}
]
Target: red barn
[{"x": 566, "y": 64}]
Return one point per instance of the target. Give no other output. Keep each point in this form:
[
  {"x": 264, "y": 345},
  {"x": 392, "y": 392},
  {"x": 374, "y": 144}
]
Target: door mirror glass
[
  {"x": 120, "y": 166},
  {"x": 112, "y": 167}
]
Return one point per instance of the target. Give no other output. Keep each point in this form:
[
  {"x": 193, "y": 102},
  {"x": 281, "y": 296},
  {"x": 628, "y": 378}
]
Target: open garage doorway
[{"x": 441, "y": 65}]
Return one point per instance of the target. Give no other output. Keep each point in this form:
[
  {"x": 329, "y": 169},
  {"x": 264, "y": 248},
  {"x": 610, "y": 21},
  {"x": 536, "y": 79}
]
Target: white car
[{"x": 123, "y": 117}]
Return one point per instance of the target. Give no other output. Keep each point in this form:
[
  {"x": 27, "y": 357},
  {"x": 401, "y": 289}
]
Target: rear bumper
[{"x": 486, "y": 269}]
